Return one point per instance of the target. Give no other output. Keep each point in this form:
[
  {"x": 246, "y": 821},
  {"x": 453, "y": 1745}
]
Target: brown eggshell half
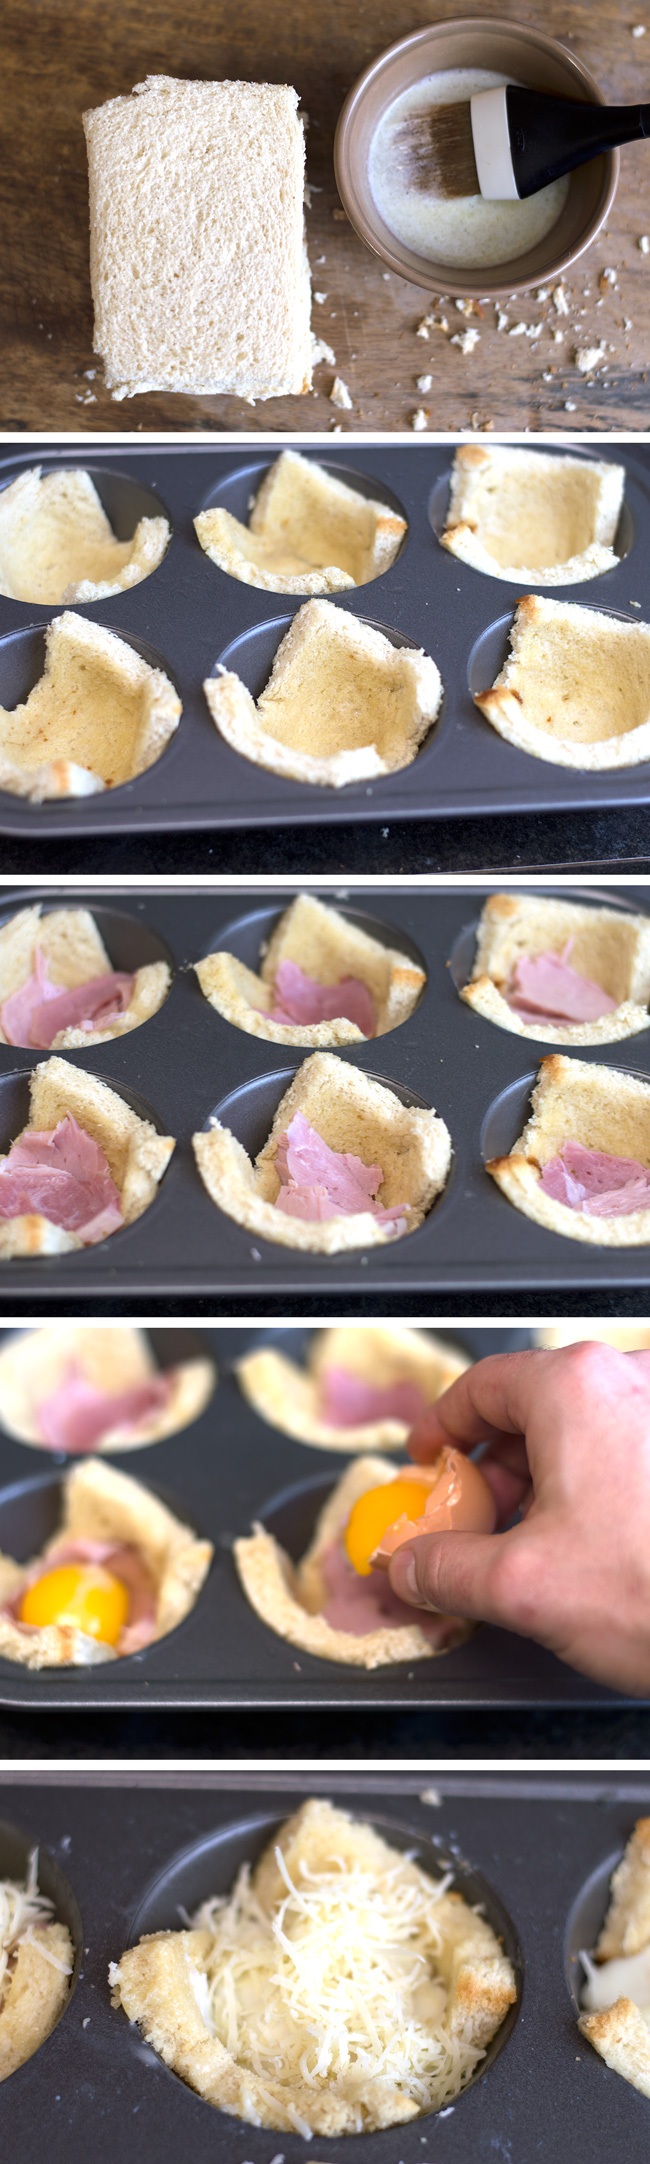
[{"x": 459, "y": 1501}]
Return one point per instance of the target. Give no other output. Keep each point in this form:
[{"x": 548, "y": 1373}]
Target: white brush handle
[{"x": 491, "y": 137}]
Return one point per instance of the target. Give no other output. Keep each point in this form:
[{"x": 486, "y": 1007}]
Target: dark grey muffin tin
[
  {"x": 222, "y": 1474},
  {"x": 536, "y": 1848},
  {"x": 187, "y": 1062},
  {"x": 189, "y": 615}
]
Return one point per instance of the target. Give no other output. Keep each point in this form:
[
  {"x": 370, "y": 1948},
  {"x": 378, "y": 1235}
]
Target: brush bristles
[{"x": 436, "y": 152}]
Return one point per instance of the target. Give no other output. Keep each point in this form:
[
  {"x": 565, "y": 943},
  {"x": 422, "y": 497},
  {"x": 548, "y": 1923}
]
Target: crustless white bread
[{"x": 197, "y": 258}]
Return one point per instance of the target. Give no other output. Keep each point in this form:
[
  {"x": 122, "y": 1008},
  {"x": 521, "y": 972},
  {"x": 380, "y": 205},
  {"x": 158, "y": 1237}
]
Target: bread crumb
[
  {"x": 419, "y": 420},
  {"x": 320, "y": 351},
  {"x": 558, "y": 337},
  {"x": 320, "y": 297},
  {"x": 542, "y": 293},
  {"x": 587, "y": 357},
  {"x": 526, "y": 330},
  {"x": 502, "y": 320},
  {"x": 644, "y": 243},
  {"x": 339, "y": 394},
  {"x": 560, "y": 302},
  {"x": 569, "y": 405},
  {"x": 423, "y": 383},
  {"x": 607, "y": 278},
  {"x": 638, "y": 30},
  {"x": 467, "y": 340},
  {"x": 423, "y": 328}
]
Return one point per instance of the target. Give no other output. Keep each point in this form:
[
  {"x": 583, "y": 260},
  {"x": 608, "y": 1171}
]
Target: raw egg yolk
[
  {"x": 376, "y": 1510},
  {"x": 81, "y": 1594}
]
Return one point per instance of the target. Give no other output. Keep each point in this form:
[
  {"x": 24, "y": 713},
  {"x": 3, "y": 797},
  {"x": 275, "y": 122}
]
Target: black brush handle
[{"x": 550, "y": 136}]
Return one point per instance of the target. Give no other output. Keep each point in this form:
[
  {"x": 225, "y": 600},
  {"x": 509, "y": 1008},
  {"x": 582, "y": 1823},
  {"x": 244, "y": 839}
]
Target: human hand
[{"x": 569, "y": 1446}]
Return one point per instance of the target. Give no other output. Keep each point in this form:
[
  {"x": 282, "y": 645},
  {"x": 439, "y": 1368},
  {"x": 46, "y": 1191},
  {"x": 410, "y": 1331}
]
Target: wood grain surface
[{"x": 60, "y": 56}]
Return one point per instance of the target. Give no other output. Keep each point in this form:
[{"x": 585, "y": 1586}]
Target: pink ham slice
[
  {"x": 361, "y": 1605},
  {"x": 347, "y": 1401},
  {"x": 125, "y": 1563},
  {"x": 298, "y": 998},
  {"x": 592, "y": 1181},
  {"x": 543, "y": 988},
  {"x": 63, "y": 1175},
  {"x": 77, "y": 1415},
  {"x": 319, "y": 1183},
  {"x": 34, "y": 1015}
]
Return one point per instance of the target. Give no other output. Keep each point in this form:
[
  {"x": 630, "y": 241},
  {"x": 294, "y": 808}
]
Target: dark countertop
[
  {"x": 619, "y": 1733},
  {"x": 615, "y": 841}
]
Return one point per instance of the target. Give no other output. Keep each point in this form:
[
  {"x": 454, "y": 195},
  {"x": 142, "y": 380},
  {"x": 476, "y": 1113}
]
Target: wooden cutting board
[{"x": 60, "y": 56}]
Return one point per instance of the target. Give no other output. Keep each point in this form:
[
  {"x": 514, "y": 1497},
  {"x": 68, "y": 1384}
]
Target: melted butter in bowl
[{"x": 467, "y": 231}]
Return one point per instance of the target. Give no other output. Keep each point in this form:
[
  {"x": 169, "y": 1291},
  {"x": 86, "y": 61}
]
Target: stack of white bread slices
[{"x": 198, "y": 263}]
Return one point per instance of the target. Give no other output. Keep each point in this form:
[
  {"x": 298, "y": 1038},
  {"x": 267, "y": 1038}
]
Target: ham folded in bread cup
[
  {"x": 84, "y": 1389},
  {"x": 84, "y": 1165},
  {"x": 59, "y": 987}
]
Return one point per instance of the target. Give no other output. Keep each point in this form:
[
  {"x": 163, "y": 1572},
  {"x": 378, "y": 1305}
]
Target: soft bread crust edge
[
  {"x": 136, "y": 1155},
  {"x": 232, "y": 546},
  {"x": 503, "y": 702},
  {"x": 603, "y": 1098},
  {"x": 473, "y": 463},
  {"x": 512, "y": 925},
  {"x": 411, "y": 671},
  {"x": 34, "y": 1363},
  {"x": 412, "y": 1146},
  {"x": 33, "y": 1996},
  {"x": 622, "y": 2038},
  {"x": 288, "y": 1396},
  {"x": 327, "y": 946},
  {"x": 75, "y": 951}
]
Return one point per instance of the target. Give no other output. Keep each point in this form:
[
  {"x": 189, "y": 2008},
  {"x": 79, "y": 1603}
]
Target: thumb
[{"x": 456, "y": 1574}]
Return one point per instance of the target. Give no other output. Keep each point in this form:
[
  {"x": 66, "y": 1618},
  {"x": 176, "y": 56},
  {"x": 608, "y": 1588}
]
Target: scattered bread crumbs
[
  {"x": 467, "y": 340},
  {"x": 560, "y": 302},
  {"x": 644, "y": 243},
  {"x": 569, "y": 405},
  {"x": 320, "y": 298},
  {"x": 423, "y": 383},
  {"x": 607, "y": 278},
  {"x": 638, "y": 30},
  {"x": 585, "y": 358},
  {"x": 558, "y": 337},
  {"x": 419, "y": 420},
  {"x": 339, "y": 394},
  {"x": 502, "y": 320}
]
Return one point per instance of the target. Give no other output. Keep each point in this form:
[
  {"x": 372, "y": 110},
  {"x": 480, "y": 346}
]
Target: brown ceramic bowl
[{"x": 523, "y": 56}]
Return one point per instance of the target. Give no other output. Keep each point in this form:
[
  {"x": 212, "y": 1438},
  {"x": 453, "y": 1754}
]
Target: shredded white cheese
[
  {"x": 22, "y": 1910},
  {"x": 337, "y": 1987}
]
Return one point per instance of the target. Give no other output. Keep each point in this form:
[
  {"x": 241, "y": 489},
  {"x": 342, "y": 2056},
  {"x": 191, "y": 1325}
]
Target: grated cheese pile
[
  {"x": 336, "y": 1988},
  {"x": 23, "y": 1913}
]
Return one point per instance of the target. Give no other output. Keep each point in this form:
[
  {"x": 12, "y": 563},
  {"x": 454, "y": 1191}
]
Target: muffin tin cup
[
  {"x": 189, "y": 613},
  {"x": 227, "y": 1470},
  {"x": 135, "y": 1844},
  {"x": 187, "y": 1063}
]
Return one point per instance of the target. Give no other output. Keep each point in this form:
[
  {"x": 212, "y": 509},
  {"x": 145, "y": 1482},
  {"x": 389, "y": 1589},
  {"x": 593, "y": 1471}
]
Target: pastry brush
[{"x": 509, "y": 142}]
